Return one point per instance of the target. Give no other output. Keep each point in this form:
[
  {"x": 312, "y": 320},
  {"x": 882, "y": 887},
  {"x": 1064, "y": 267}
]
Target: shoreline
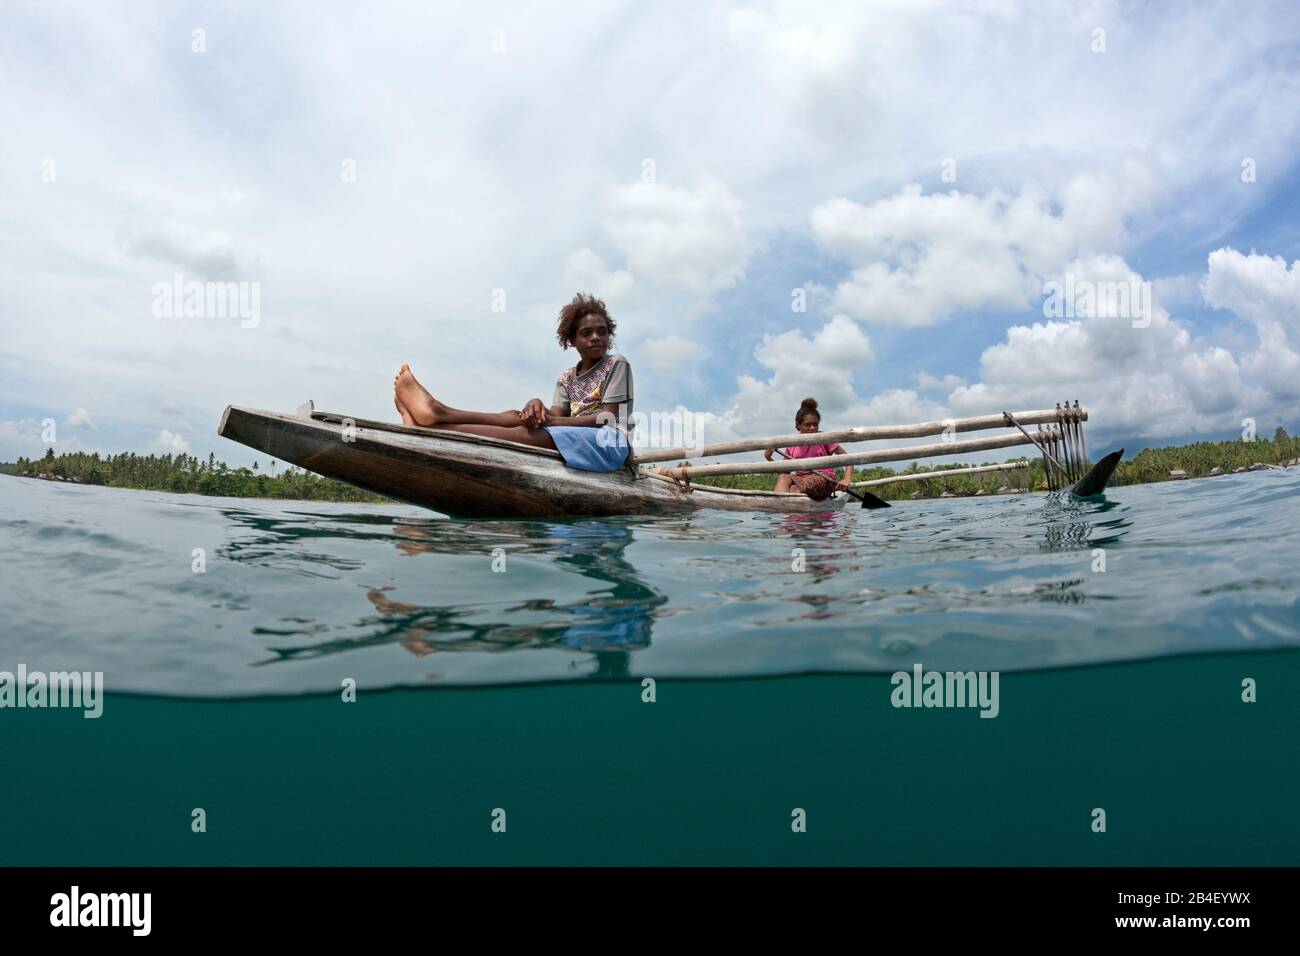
[
  {"x": 368, "y": 500},
  {"x": 211, "y": 479}
]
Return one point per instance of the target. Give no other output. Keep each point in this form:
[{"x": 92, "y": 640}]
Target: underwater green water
[
  {"x": 710, "y": 773},
  {"x": 521, "y": 690}
]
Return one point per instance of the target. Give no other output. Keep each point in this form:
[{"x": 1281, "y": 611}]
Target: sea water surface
[
  {"x": 194, "y": 596},
  {"x": 1148, "y": 646}
]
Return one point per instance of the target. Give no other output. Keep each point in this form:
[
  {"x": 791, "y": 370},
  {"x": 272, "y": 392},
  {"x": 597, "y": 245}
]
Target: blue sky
[{"x": 693, "y": 164}]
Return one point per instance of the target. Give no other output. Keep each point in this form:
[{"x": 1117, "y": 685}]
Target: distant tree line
[
  {"x": 185, "y": 474},
  {"x": 1199, "y": 459}
]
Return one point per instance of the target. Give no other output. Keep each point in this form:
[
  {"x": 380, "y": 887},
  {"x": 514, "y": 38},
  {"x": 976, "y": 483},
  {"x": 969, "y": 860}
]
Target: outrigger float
[{"x": 478, "y": 477}]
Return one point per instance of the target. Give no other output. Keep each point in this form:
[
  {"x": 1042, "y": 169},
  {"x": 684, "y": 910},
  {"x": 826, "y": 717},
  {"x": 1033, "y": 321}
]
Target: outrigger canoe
[
  {"x": 474, "y": 476},
  {"x": 477, "y": 477}
]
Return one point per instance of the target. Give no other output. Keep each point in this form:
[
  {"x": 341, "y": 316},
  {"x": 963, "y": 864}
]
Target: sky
[{"x": 863, "y": 203}]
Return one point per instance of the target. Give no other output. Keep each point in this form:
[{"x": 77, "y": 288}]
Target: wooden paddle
[{"x": 867, "y": 498}]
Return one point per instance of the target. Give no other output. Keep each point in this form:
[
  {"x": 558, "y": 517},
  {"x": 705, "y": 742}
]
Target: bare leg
[
  {"x": 415, "y": 401},
  {"x": 783, "y": 483},
  {"x": 414, "y": 640},
  {"x": 526, "y": 436},
  {"x": 428, "y": 411}
]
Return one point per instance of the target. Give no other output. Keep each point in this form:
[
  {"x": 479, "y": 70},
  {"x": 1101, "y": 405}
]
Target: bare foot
[
  {"x": 423, "y": 408},
  {"x": 407, "y": 418},
  {"x": 417, "y": 645},
  {"x": 401, "y": 410},
  {"x": 386, "y": 605}
]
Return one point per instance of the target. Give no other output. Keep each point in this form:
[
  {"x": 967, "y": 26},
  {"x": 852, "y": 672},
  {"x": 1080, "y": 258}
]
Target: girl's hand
[
  {"x": 768, "y": 453},
  {"x": 533, "y": 414},
  {"x": 842, "y": 485}
]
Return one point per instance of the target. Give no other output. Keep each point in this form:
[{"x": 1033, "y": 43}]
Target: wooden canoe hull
[{"x": 476, "y": 477}]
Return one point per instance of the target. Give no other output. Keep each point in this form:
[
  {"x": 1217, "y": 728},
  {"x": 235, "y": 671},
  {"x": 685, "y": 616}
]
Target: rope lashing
[{"x": 1042, "y": 446}]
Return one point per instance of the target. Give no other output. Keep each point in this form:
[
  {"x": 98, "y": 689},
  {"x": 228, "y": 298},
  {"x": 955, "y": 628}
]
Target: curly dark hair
[{"x": 572, "y": 314}]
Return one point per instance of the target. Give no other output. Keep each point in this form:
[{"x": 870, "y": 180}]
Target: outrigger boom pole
[
  {"x": 944, "y": 473},
  {"x": 859, "y": 458},
  {"x": 941, "y": 426}
]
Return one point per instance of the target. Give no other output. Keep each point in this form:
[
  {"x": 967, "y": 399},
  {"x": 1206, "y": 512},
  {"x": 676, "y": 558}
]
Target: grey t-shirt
[{"x": 609, "y": 382}]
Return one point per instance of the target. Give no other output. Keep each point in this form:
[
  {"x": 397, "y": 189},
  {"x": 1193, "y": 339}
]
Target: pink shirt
[{"x": 815, "y": 451}]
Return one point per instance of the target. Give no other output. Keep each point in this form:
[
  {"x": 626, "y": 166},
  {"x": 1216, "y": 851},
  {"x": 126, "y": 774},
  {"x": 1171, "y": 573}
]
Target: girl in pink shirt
[{"x": 817, "y": 485}]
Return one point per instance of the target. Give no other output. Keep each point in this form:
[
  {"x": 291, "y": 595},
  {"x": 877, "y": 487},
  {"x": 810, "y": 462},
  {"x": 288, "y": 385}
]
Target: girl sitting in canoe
[
  {"x": 587, "y": 420},
  {"x": 818, "y": 484}
]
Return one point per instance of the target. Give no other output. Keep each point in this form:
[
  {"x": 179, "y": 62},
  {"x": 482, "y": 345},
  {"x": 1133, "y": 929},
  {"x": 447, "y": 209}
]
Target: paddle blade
[
  {"x": 869, "y": 500},
  {"x": 1095, "y": 481}
]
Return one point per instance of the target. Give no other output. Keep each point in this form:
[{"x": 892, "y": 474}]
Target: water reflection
[
  {"x": 386, "y": 593},
  {"x": 822, "y": 530},
  {"x": 828, "y": 565},
  {"x": 608, "y": 623},
  {"x": 1072, "y": 524}
]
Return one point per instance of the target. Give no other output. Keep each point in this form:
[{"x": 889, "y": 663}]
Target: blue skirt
[{"x": 590, "y": 449}]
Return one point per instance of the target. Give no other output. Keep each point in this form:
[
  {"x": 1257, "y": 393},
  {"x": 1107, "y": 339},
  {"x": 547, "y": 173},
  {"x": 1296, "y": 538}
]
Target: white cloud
[
  {"x": 1256, "y": 287},
  {"x": 585, "y": 271},
  {"x": 1275, "y": 364},
  {"x": 839, "y": 345},
  {"x": 168, "y": 444},
  {"x": 1263, "y": 290},
  {"x": 79, "y": 419},
  {"x": 930, "y": 383},
  {"x": 26, "y": 431},
  {"x": 689, "y": 238},
  {"x": 895, "y": 406},
  {"x": 25, "y": 437},
  {"x": 156, "y": 233},
  {"x": 670, "y": 354},
  {"x": 820, "y": 367},
  {"x": 1155, "y": 381},
  {"x": 918, "y": 259}
]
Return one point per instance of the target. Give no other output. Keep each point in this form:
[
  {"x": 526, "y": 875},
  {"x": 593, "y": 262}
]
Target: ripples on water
[{"x": 298, "y": 595}]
